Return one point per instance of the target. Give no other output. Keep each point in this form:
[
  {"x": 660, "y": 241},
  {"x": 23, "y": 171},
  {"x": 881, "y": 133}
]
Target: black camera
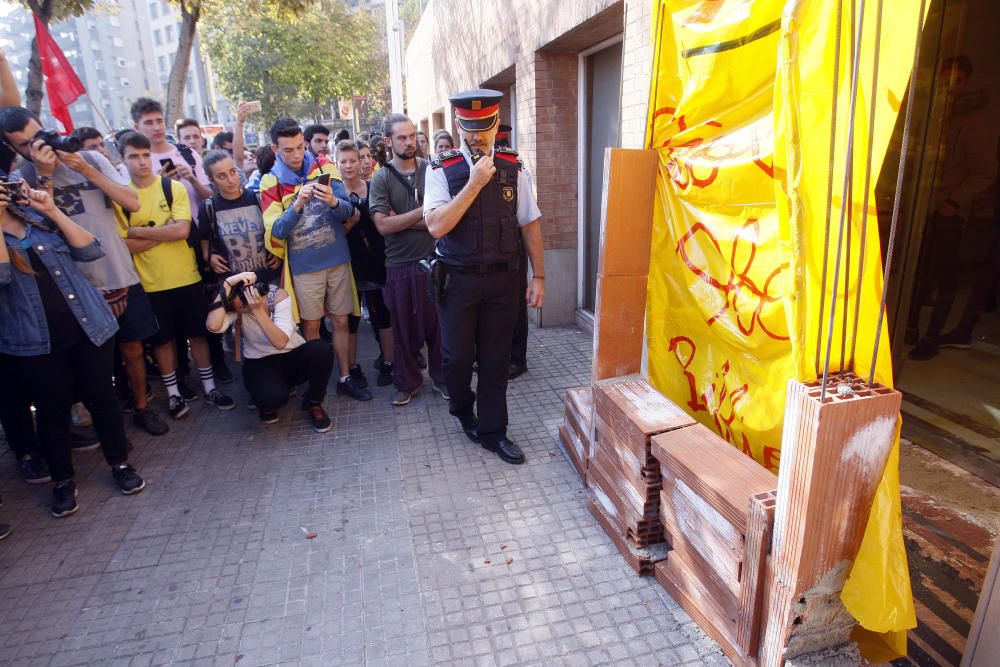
[
  {"x": 58, "y": 142},
  {"x": 228, "y": 293}
]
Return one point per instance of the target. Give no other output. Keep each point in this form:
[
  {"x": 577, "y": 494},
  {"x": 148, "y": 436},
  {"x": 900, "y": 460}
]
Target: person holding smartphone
[
  {"x": 57, "y": 335},
  {"x": 276, "y": 358},
  {"x": 304, "y": 214}
]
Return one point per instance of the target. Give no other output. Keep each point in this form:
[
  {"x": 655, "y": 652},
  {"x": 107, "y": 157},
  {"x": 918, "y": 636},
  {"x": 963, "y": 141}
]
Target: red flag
[{"x": 62, "y": 85}]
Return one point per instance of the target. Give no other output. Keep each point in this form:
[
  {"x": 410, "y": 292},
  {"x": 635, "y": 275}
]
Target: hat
[{"x": 477, "y": 110}]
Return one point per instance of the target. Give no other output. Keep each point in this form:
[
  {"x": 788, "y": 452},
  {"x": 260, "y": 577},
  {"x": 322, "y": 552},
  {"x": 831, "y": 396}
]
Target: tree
[
  {"x": 193, "y": 11},
  {"x": 297, "y": 65},
  {"x": 49, "y": 11}
]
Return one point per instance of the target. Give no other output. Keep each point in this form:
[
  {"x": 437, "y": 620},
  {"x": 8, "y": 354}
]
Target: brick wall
[
  {"x": 637, "y": 55},
  {"x": 555, "y": 145}
]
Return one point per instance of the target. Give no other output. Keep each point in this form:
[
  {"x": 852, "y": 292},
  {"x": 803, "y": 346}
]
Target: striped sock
[
  {"x": 170, "y": 382},
  {"x": 207, "y": 380}
]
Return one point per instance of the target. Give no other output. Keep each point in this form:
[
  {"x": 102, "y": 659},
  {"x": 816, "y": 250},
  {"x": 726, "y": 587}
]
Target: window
[
  {"x": 113, "y": 20},
  {"x": 169, "y": 33},
  {"x": 162, "y": 62},
  {"x": 157, "y": 37},
  {"x": 117, "y": 41},
  {"x": 125, "y": 82},
  {"x": 154, "y": 10}
]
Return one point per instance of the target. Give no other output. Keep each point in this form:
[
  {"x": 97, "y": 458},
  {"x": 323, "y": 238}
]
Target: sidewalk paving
[{"x": 428, "y": 550}]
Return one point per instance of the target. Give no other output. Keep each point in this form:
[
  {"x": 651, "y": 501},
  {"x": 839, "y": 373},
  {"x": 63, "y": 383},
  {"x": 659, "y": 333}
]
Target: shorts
[
  {"x": 180, "y": 312},
  {"x": 138, "y": 322},
  {"x": 331, "y": 289}
]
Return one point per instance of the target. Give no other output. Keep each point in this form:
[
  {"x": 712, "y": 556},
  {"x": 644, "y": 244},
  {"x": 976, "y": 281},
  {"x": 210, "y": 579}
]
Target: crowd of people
[{"x": 127, "y": 258}]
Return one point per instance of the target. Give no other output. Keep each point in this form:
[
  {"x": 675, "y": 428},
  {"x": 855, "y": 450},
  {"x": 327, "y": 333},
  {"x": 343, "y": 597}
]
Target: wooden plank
[
  {"x": 572, "y": 446},
  {"x": 694, "y": 525},
  {"x": 619, "y": 325},
  {"x": 691, "y": 592},
  {"x": 834, "y": 453},
  {"x": 756, "y": 545},
  {"x": 641, "y": 560},
  {"x": 627, "y": 203},
  {"x": 714, "y": 469}
]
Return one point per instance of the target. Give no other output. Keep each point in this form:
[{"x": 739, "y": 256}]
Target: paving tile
[{"x": 389, "y": 540}]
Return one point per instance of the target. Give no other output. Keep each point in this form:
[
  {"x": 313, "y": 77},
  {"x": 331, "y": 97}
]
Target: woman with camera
[
  {"x": 57, "y": 335},
  {"x": 277, "y": 357}
]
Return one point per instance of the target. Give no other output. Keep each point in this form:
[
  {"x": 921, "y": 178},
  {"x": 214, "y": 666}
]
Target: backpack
[{"x": 168, "y": 195}]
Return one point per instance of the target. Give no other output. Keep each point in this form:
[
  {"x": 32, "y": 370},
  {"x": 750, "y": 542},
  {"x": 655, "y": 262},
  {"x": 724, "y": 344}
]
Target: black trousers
[
  {"x": 15, "y": 411},
  {"x": 58, "y": 380},
  {"x": 519, "y": 345},
  {"x": 477, "y": 318},
  {"x": 269, "y": 379},
  {"x": 941, "y": 265}
]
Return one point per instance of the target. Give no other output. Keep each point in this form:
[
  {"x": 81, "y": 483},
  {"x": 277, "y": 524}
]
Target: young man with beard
[
  {"x": 304, "y": 222},
  {"x": 396, "y": 204}
]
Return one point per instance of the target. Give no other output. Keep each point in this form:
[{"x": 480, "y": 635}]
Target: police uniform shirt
[{"x": 436, "y": 193}]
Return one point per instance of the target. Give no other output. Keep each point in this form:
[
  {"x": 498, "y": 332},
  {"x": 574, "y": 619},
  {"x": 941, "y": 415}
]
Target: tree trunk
[
  {"x": 190, "y": 13},
  {"x": 34, "y": 92}
]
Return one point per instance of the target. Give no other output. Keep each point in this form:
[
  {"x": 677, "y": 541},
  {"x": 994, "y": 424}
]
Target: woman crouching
[{"x": 277, "y": 358}]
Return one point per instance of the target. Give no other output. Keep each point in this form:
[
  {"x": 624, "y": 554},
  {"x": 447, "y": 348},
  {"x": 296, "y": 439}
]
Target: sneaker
[
  {"x": 33, "y": 470},
  {"x": 516, "y": 370},
  {"x": 127, "y": 479},
  {"x": 442, "y": 388},
  {"x": 379, "y": 362},
  {"x": 268, "y": 416},
  {"x": 384, "y": 375},
  {"x": 219, "y": 400},
  {"x": 177, "y": 407},
  {"x": 251, "y": 405},
  {"x": 926, "y": 349},
  {"x": 954, "y": 340},
  {"x": 5, "y": 530},
  {"x": 64, "y": 499},
  {"x": 349, "y": 387},
  {"x": 149, "y": 421},
  {"x": 222, "y": 374},
  {"x": 403, "y": 397},
  {"x": 320, "y": 420},
  {"x": 359, "y": 376},
  {"x": 187, "y": 393},
  {"x": 83, "y": 438}
]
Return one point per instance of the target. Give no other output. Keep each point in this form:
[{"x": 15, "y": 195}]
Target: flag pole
[{"x": 99, "y": 114}]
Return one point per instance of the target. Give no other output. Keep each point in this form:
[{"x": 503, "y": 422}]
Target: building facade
[{"x": 576, "y": 80}]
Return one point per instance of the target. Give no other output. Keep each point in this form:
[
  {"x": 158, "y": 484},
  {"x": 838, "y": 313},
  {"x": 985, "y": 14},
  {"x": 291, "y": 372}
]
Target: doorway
[
  {"x": 600, "y": 72},
  {"x": 945, "y": 321}
]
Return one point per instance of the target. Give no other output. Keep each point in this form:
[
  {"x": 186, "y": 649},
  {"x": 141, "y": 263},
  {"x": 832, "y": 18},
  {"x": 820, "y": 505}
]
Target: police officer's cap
[{"x": 477, "y": 110}]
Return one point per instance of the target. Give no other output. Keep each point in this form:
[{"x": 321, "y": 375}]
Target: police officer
[
  {"x": 477, "y": 204},
  {"x": 519, "y": 345}
]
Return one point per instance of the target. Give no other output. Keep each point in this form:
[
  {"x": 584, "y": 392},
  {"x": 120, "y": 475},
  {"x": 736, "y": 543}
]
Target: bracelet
[
  {"x": 44, "y": 180},
  {"x": 540, "y": 277}
]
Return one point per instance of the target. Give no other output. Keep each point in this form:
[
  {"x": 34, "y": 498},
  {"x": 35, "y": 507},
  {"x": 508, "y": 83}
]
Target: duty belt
[{"x": 482, "y": 268}]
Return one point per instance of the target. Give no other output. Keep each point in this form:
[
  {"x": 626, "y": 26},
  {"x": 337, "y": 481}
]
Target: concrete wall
[{"x": 534, "y": 52}]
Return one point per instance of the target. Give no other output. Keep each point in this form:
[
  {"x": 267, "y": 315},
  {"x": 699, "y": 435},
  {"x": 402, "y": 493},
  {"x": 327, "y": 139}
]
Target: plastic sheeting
[{"x": 748, "y": 222}]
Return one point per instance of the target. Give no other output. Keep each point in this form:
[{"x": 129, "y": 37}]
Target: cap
[{"x": 477, "y": 110}]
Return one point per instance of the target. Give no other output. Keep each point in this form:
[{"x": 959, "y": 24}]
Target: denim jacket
[{"x": 24, "y": 331}]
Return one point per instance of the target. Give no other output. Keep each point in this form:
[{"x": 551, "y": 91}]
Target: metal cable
[
  {"x": 897, "y": 200},
  {"x": 848, "y": 175},
  {"x": 829, "y": 182},
  {"x": 868, "y": 176},
  {"x": 849, "y": 199}
]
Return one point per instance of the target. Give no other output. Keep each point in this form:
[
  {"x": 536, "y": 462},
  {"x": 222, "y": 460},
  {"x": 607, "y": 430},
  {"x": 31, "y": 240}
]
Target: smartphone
[
  {"x": 324, "y": 179},
  {"x": 254, "y": 106},
  {"x": 166, "y": 165}
]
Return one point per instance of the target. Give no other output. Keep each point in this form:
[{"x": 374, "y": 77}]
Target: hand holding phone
[
  {"x": 167, "y": 167},
  {"x": 324, "y": 179}
]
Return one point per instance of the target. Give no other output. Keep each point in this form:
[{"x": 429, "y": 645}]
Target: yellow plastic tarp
[{"x": 742, "y": 103}]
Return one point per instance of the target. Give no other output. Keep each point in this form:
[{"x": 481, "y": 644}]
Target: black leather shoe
[
  {"x": 516, "y": 370},
  {"x": 471, "y": 427},
  {"x": 506, "y": 450}
]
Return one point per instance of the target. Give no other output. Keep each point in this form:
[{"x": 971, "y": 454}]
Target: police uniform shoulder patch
[
  {"x": 508, "y": 155},
  {"x": 445, "y": 158}
]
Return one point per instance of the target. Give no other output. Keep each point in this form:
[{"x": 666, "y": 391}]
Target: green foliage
[
  {"x": 295, "y": 64},
  {"x": 53, "y": 11}
]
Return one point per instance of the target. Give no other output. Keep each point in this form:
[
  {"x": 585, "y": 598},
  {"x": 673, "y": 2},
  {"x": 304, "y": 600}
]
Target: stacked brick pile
[{"x": 577, "y": 428}]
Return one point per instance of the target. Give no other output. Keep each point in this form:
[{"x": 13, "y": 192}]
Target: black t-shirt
[
  {"x": 367, "y": 245},
  {"x": 236, "y": 232},
  {"x": 64, "y": 331}
]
